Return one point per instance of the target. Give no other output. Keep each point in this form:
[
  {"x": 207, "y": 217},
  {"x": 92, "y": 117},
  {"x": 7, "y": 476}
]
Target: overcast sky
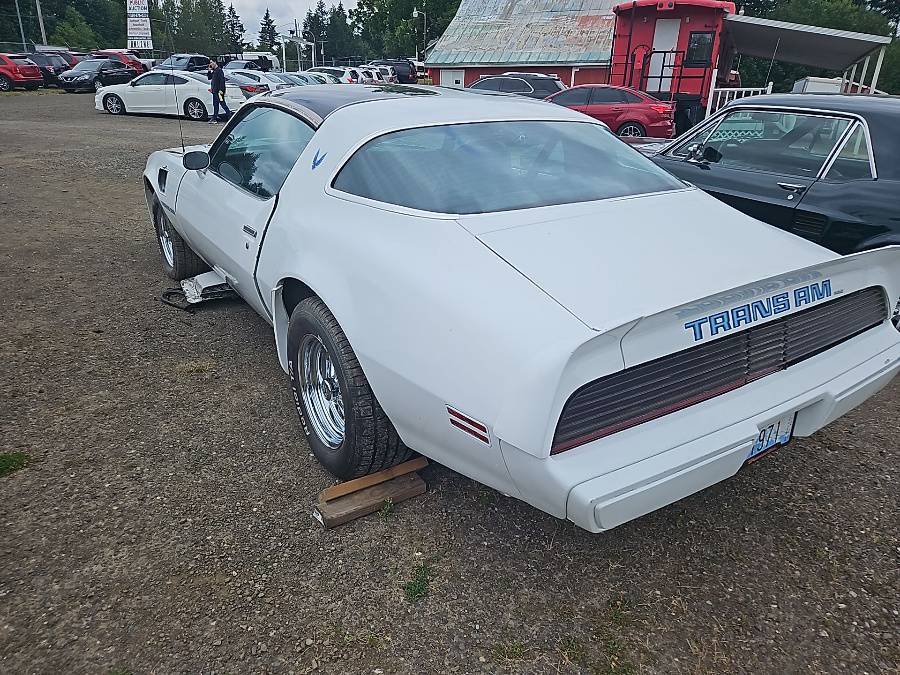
[{"x": 283, "y": 12}]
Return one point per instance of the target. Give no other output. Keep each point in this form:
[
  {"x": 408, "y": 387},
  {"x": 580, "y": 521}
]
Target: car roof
[{"x": 419, "y": 103}]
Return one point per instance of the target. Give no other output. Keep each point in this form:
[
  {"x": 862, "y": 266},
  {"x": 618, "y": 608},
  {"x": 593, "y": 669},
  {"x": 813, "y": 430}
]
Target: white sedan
[
  {"x": 504, "y": 286},
  {"x": 166, "y": 93}
]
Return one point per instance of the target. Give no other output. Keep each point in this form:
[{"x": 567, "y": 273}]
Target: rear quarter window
[{"x": 487, "y": 167}]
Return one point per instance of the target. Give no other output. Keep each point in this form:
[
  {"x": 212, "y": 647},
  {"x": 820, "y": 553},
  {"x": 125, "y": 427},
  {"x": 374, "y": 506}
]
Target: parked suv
[
  {"x": 51, "y": 66},
  {"x": 189, "y": 62},
  {"x": 16, "y": 70},
  {"x": 533, "y": 85},
  {"x": 343, "y": 74},
  {"x": 627, "y": 112},
  {"x": 403, "y": 68}
]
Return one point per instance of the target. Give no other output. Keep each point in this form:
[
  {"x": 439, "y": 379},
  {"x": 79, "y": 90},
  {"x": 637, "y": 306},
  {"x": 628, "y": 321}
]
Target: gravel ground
[{"x": 163, "y": 524}]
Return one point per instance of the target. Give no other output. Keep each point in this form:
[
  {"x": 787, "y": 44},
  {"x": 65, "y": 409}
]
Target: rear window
[
  {"x": 546, "y": 86},
  {"x": 22, "y": 60},
  {"x": 486, "y": 167}
]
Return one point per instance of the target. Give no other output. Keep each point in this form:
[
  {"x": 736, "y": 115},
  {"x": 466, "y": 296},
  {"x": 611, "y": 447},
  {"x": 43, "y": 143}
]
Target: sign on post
[{"x": 139, "y": 36}]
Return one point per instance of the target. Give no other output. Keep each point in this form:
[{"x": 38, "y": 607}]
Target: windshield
[
  {"x": 89, "y": 65},
  {"x": 176, "y": 61},
  {"x": 485, "y": 167}
]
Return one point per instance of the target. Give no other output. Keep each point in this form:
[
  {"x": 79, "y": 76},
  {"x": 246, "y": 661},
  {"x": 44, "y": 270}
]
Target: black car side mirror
[
  {"x": 195, "y": 160},
  {"x": 711, "y": 155}
]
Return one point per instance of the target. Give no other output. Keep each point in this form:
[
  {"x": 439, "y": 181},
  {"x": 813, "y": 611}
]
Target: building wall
[{"x": 582, "y": 74}]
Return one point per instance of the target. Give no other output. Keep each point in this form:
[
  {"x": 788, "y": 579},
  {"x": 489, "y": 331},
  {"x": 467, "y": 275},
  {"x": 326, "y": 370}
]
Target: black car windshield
[
  {"x": 176, "y": 62},
  {"x": 485, "y": 167},
  {"x": 88, "y": 65}
]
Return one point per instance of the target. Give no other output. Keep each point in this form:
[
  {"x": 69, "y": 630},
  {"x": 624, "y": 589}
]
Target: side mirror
[
  {"x": 131, "y": 83},
  {"x": 711, "y": 155},
  {"x": 195, "y": 160}
]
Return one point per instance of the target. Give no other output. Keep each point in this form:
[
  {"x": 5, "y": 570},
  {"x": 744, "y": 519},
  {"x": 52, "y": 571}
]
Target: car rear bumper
[
  {"x": 676, "y": 462},
  {"x": 664, "y": 129},
  {"x": 22, "y": 80}
]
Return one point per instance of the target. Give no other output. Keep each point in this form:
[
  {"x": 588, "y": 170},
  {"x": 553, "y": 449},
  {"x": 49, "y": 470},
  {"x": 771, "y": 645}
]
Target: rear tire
[
  {"x": 195, "y": 109},
  {"x": 114, "y": 105},
  {"x": 31, "y": 87},
  {"x": 5, "y": 83},
  {"x": 178, "y": 260},
  {"x": 98, "y": 85},
  {"x": 632, "y": 129},
  {"x": 345, "y": 427}
]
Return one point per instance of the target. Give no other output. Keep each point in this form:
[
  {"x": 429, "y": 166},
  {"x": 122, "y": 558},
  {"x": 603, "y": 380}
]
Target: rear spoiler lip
[{"x": 880, "y": 268}]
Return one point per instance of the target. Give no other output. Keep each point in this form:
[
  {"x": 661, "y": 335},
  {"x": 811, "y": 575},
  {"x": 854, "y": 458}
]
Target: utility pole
[
  {"x": 41, "y": 21},
  {"x": 297, "y": 43},
  {"x": 21, "y": 29}
]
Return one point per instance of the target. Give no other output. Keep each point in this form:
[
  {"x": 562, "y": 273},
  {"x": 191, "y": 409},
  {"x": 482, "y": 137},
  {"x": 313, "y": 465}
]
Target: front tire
[
  {"x": 114, "y": 105},
  {"x": 31, "y": 87},
  {"x": 178, "y": 259},
  {"x": 345, "y": 427},
  {"x": 195, "y": 110}
]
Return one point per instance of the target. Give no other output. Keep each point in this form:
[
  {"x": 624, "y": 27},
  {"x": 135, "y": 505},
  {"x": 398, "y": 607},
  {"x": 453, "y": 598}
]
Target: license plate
[{"x": 772, "y": 436}]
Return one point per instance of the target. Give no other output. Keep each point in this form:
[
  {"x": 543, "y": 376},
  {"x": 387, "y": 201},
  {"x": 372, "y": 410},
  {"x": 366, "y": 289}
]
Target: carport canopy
[{"x": 796, "y": 43}]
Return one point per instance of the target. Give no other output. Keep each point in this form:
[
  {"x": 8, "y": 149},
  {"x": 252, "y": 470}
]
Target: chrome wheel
[
  {"x": 165, "y": 240},
  {"x": 98, "y": 85},
  {"x": 113, "y": 105},
  {"x": 631, "y": 129},
  {"x": 321, "y": 391},
  {"x": 5, "y": 85},
  {"x": 196, "y": 110}
]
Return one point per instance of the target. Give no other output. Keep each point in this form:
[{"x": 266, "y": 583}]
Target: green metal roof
[{"x": 518, "y": 32}]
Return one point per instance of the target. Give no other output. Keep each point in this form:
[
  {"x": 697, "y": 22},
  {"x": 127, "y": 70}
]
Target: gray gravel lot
[{"x": 163, "y": 524}]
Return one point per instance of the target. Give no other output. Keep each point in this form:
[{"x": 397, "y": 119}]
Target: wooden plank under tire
[{"x": 368, "y": 500}]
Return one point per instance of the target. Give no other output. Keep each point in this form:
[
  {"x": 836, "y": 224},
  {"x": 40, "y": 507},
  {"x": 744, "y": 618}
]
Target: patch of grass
[
  {"x": 417, "y": 588},
  {"x": 573, "y": 651},
  {"x": 387, "y": 509},
  {"x": 12, "y": 461},
  {"x": 509, "y": 651},
  {"x": 200, "y": 367}
]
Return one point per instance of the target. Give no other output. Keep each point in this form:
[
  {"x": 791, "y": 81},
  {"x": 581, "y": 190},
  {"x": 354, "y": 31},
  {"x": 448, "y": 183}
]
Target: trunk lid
[{"x": 617, "y": 260}]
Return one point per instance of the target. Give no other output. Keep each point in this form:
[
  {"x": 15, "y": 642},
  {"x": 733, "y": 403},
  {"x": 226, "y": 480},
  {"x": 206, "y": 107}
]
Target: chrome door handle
[
  {"x": 249, "y": 230},
  {"x": 792, "y": 187}
]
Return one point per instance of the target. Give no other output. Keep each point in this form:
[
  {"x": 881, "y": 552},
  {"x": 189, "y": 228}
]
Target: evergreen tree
[
  {"x": 73, "y": 31},
  {"x": 341, "y": 41},
  {"x": 234, "y": 31},
  {"x": 267, "y": 33}
]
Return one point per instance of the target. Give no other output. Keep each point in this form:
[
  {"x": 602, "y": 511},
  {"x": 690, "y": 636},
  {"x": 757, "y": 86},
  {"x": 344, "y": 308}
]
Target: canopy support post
[
  {"x": 852, "y": 76},
  {"x": 862, "y": 76},
  {"x": 877, "y": 72}
]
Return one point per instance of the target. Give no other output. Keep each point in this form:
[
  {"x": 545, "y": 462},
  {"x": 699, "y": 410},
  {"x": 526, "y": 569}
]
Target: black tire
[
  {"x": 98, "y": 85},
  {"x": 632, "y": 129},
  {"x": 5, "y": 83},
  {"x": 181, "y": 262},
  {"x": 195, "y": 109},
  {"x": 31, "y": 87},
  {"x": 114, "y": 105},
  {"x": 370, "y": 443}
]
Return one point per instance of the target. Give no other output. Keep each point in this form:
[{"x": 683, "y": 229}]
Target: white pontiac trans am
[
  {"x": 504, "y": 286},
  {"x": 166, "y": 92}
]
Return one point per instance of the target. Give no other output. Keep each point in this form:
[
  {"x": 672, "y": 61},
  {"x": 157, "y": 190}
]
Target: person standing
[{"x": 217, "y": 80}]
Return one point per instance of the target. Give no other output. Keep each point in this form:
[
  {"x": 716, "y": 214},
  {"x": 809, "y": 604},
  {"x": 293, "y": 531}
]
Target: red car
[
  {"x": 123, "y": 55},
  {"x": 17, "y": 71},
  {"x": 627, "y": 112}
]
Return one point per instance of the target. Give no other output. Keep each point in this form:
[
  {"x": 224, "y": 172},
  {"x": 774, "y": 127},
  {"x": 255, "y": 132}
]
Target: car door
[
  {"x": 118, "y": 72},
  {"x": 606, "y": 104},
  {"x": 223, "y": 211},
  {"x": 759, "y": 161},
  {"x": 147, "y": 93}
]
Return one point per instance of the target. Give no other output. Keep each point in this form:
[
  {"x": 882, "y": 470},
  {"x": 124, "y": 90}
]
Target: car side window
[
  {"x": 853, "y": 161},
  {"x": 574, "y": 96},
  {"x": 261, "y": 150},
  {"x": 605, "y": 96},
  {"x": 775, "y": 141},
  {"x": 490, "y": 84},
  {"x": 632, "y": 98},
  {"x": 150, "y": 78},
  {"x": 174, "y": 79},
  {"x": 515, "y": 85}
]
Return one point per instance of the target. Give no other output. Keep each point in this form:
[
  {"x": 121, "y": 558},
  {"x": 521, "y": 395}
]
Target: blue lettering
[
  {"x": 781, "y": 303},
  {"x": 741, "y": 315},
  {"x": 697, "y": 326},
  {"x": 762, "y": 309},
  {"x": 820, "y": 291},
  {"x": 801, "y": 296},
  {"x": 719, "y": 323}
]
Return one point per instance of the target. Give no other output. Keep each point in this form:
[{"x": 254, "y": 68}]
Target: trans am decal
[{"x": 750, "y": 313}]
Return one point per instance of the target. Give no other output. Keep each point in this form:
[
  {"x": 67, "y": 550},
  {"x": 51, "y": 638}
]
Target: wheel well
[{"x": 293, "y": 292}]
